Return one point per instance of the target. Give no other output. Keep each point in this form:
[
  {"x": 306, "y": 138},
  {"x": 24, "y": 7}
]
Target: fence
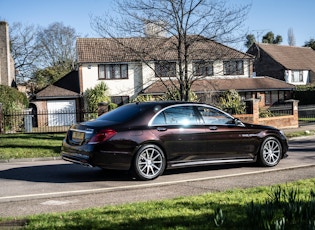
[
  {"x": 281, "y": 109},
  {"x": 46, "y": 121},
  {"x": 306, "y": 114},
  {"x": 41, "y": 121}
]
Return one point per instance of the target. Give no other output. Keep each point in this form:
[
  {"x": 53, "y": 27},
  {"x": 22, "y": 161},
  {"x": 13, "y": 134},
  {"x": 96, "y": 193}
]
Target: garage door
[{"x": 61, "y": 112}]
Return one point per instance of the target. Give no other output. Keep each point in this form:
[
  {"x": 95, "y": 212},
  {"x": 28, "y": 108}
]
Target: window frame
[
  {"x": 203, "y": 68},
  {"x": 198, "y": 118},
  {"x": 299, "y": 75},
  {"x": 111, "y": 71},
  {"x": 165, "y": 69},
  {"x": 233, "y": 67}
]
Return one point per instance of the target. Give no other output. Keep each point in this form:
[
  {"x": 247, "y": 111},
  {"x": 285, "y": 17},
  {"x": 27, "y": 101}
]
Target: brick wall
[{"x": 280, "y": 122}]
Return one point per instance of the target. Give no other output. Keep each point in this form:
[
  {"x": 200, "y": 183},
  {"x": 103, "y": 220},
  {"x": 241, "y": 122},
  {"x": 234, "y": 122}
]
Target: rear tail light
[{"x": 102, "y": 135}]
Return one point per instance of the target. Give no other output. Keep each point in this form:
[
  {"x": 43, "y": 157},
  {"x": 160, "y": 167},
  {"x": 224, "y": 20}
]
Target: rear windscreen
[{"x": 122, "y": 114}]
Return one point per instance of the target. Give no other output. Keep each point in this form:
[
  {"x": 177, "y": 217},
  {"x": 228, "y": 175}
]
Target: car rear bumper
[{"x": 77, "y": 159}]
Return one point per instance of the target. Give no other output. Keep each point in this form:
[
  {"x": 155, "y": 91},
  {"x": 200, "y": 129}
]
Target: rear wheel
[
  {"x": 270, "y": 152},
  {"x": 149, "y": 162}
]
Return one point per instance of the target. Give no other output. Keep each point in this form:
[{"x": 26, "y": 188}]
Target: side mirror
[{"x": 238, "y": 122}]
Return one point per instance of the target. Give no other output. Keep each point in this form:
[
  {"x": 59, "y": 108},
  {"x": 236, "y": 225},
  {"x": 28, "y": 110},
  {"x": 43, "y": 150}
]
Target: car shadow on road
[
  {"x": 72, "y": 173},
  {"x": 63, "y": 173}
]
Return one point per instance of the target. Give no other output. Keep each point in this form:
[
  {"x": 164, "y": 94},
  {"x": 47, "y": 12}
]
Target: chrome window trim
[{"x": 188, "y": 104}]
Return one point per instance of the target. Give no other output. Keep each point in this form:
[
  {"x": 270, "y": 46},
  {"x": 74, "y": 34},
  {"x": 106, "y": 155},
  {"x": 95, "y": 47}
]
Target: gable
[
  {"x": 291, "y": 57},
  {"x": 65, "y": 87}
]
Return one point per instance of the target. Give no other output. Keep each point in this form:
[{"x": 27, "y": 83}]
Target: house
[
  {"x": 294, "y": 65},
  {"x": 56, "y": 105},
  {"x": 7, "y": 70},
  {"x": 133, "y": 66}
]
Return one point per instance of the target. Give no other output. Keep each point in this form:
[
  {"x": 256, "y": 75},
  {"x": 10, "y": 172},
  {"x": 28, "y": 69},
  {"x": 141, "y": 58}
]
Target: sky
[{"x": 277, "y": 16}]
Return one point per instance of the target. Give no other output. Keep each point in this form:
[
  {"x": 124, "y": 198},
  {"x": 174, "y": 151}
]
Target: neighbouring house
[
  {"x": 129, "y": 67},
  {"x": 56, "y": 105},
  {"x": 7, "y": 70},
  {"x": 294, "y": 65}
]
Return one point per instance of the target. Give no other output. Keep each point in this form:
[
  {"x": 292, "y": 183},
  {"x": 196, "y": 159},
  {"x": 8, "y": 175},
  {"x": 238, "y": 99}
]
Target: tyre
[
  {"x": 270, "y": 152},
  {"x": 149, "y": 162}
]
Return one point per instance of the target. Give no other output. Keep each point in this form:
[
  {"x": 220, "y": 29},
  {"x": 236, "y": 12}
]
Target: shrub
[
  {"x": 231, "y": 102},
  {"x": 13, "y": 102},
  {"x": 95, "y": 95},
  {"x": 12, "y": 99}
]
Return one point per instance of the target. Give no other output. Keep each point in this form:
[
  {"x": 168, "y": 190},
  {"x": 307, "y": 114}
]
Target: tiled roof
[
  {"x": 291, "y": 57},
  {"x": 217, "y": 85},
  {"x": 104, "y": 50},
  {"x": 66, "y": 87},
  {"x": 53, "y": 91}
]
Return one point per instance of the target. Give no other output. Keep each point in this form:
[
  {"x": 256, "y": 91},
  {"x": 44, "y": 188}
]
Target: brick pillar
[
  {"x": 252, "y": 107},
  {"x": 256, "y": 111},
  {"x": 295, "y": 112}
]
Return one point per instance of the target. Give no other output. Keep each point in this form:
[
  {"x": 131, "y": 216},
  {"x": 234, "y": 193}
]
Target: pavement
[{"x": 306, "y": 128}]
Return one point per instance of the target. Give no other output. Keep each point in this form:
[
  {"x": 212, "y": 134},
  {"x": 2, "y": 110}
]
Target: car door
[
  {"x": 179, "y": 129},
  {"x": 225, "y": 139}
]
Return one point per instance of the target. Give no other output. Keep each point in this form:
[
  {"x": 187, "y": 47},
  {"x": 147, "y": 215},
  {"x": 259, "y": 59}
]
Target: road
[{"x": 56, "y": 186}]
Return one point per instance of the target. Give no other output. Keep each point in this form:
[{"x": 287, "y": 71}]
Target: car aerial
[{"x": 149, "y": 137}]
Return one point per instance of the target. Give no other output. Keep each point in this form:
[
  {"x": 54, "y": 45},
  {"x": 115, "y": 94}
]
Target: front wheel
[
  {"x": 270, "y": 152},
  {"x": 149, "y": 162}
]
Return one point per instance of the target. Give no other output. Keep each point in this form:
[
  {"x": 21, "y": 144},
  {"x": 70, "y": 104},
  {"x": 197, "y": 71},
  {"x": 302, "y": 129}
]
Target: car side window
[
  {"x": 179, "y": 115},
  {"x": 212, "y": 116}
]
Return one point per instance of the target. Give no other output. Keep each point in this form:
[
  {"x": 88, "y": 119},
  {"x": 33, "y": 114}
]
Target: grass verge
[
  {"x": 261, "y": 208},
  {"x": 34, "y": 145}
]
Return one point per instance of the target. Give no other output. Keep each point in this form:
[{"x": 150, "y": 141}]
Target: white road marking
[
  {"x": 99, "y": 190},
  {"x": 58, "y": 202}
]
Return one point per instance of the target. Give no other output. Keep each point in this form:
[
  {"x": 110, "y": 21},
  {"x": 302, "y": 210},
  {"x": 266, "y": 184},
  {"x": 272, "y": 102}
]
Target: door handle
[
  {"x": 161, "y": 129},
  {"x": 213, "y": 127}
]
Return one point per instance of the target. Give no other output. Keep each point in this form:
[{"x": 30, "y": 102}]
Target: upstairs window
[
  {"x": 233, "y": 67},
  {"x": 202, "y": 68},
  {"x": 297, "y": 76},
  {"x": 165, "y": 69},
  {"x": 113, "y": 71}
]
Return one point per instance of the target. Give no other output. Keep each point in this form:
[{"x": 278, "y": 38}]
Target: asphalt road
[{"x": 57, "y": 186}]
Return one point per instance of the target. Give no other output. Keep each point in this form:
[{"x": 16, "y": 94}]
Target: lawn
[
  {"x": 37, "y": 145},
  {"x": 287, "y": 206},
  {"x": 16, "y": 146}
]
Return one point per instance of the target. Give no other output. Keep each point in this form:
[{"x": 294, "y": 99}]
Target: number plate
[{"x": 77, "y": 136}]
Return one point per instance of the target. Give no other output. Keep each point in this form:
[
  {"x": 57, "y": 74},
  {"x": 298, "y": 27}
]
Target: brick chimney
[{"x": 7, "y": 71}]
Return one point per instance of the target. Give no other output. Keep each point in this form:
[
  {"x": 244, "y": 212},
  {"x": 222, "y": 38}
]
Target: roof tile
[
  {"x": 104, "y": 50},
  {"x": 291, "y": 57}
]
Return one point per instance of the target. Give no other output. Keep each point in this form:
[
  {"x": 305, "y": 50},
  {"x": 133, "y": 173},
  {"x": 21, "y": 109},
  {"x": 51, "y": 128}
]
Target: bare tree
[
  {"x": 42, "y": 50},
  {"x": 182, "y": 24},
  {"x": 57, "y": 44},
  {"x": 291, "y": 37},
  {"x": 24, "y": 50}
]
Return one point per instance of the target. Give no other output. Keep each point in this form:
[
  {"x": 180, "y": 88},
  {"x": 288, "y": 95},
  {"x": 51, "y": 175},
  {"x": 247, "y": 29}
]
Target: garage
[{"x": 61, "y": 112}]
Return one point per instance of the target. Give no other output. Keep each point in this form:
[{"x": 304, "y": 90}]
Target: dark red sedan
[{"x": 149, "y": 137}]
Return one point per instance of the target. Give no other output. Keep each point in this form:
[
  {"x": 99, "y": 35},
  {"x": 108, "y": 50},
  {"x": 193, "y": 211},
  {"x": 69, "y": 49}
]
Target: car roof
[{"x": 166, "y": 103}]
